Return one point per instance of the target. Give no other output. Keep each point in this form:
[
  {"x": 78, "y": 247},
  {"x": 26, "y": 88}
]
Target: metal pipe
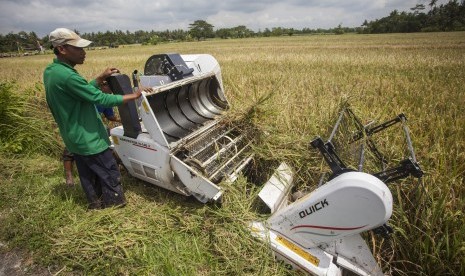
[
  {"x": 336, "y": 126},
  {"x": 409, "y": 141},
  {"x": 198, "y": 147},
  {"x": 214, "y": 174},
  {"x": 222, "y": 150},
  {"x": 362, "y": 158}
]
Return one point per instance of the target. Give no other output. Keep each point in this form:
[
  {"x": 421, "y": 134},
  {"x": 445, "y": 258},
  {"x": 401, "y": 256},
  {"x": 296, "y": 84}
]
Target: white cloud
[{"x": 42, "y": 16}]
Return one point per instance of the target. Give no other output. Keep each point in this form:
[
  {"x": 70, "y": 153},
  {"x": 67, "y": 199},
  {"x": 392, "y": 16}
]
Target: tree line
[
  {"x": 445, "y": 17},
  {"x": 198, "y": 30},
  {"x": 439, "y": 18}
]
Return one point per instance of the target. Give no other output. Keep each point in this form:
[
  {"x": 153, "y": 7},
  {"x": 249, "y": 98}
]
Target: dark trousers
[{"x": 100, "y": 179}]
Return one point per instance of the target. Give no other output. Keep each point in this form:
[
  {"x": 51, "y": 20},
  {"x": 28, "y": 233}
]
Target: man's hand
[
  {"x": 136, "y": 94},
  {"x": 143, "y": 89},
  {"x": 105, "y": 74}
]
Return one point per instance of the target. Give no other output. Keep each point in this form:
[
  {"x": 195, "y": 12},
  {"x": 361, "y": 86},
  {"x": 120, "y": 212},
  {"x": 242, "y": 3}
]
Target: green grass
[{"x": 295, "y": 86}]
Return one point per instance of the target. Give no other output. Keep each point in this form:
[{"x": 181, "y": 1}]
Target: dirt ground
[{"x": 18, "y": 262}]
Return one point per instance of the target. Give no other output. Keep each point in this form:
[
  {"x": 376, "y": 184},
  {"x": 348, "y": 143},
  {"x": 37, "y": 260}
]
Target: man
[
  {"x": 72, "y": 102},
  {"x": 68, "y": 157}
]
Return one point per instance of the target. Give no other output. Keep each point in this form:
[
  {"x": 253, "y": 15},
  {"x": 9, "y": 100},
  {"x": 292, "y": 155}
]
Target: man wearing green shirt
[{"x": 72, "y": 101}]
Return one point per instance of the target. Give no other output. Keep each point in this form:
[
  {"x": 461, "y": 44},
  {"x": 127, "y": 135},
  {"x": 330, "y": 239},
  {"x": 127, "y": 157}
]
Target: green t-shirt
[{"x": 72, "y": 101}]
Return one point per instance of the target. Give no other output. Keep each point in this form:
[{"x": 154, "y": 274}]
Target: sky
[{"x": 85, "y": 16}]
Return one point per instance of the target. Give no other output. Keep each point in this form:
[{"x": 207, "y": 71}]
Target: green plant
[{"x": 25, "y": 123}]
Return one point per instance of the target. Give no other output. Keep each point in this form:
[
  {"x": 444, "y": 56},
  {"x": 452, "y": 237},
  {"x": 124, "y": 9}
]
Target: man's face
[{"x": 72, "y": 55}]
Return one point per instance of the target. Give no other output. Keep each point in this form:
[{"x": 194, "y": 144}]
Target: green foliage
[
  {"x": 158, "y": 233},
  {"x": 445, "y": 17},
  {"x": 25, "y": 124},
  {"x": 339, "y": 30},
  {"x": 19, "y": 42},
  {"x": 236, "y": 32},
  {"x": 6, "y": 96},
  {"x": 201, "y": 29}
]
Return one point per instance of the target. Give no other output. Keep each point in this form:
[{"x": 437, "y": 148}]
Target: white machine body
[
  {"x": 320, "y": 233},
  {"x": 349, "y": 204},
  {"x": 179, "y": 139}
]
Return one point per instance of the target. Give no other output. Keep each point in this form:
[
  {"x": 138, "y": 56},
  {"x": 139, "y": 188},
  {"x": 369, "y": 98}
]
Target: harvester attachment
[
  {"x": 178, "y": 137},
  {"x": 319, "y": 233}
]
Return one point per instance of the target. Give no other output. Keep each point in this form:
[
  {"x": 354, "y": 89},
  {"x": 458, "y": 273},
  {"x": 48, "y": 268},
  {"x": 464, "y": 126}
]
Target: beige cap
[{"x": 63, "y": 36}]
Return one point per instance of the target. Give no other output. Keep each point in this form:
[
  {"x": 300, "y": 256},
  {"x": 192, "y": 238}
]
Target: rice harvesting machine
[{"x": 177, "y": 138}]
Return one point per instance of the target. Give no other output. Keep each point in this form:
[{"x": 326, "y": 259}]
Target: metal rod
[
  {"x": 229, "y": 161},
  {"x": 322, "y": 180},
  {"x": 217, "y": 154},
  {"x": 233, "y": 176},
  {"x": 158, "y": 89},
  {"x": 409, "y": 141},
  {"x": 336, "y": 126},
  {"x": 362, "y": 158},
  {"x": 204, "y": 142}
]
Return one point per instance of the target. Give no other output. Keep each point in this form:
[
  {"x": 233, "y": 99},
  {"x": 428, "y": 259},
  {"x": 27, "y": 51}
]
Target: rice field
[{"x": 292, "y": 89}]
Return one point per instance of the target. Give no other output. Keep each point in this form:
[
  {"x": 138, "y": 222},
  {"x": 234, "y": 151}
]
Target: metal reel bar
[{"x": 405, "y": 168}]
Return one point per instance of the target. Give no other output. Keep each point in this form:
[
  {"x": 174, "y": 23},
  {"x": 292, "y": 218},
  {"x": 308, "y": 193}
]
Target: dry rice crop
[{"x": 295, "y": 87}]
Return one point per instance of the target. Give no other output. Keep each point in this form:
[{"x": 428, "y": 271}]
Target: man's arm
[{"x": 101, "y": 80}]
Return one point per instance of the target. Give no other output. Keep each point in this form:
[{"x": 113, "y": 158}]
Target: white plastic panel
[
  {"x": 274, "y": 192},
  {"x": 198, "y": 186},
  {"x": 348, "y": 204}
]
